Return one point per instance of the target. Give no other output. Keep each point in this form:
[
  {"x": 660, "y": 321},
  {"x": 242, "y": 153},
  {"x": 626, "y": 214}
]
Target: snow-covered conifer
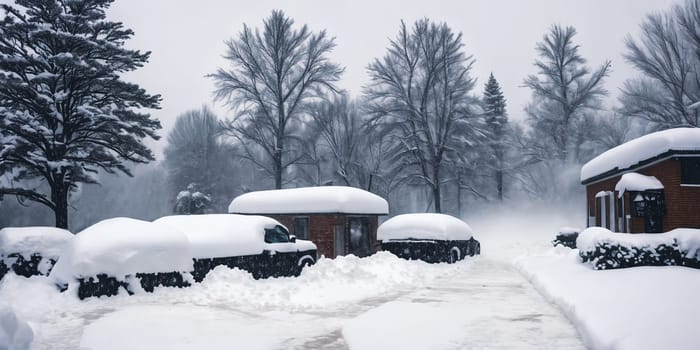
[{"x": 65, "y": 111}]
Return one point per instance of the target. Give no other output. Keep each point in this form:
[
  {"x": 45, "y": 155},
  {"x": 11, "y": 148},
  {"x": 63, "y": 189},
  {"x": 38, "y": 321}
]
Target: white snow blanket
[
  {"x": 640, "y": 308},
  {"x": 15, "y": 333},
  {"x": 642, "y": 148},
  {"x": 688, "y": 240},
  {"x": 123, "y": 246},
  {"x": 225, "y": 235},
  {"x": 424, "y": 226},
  {"x": 637, "y": 182},
  {"x": 307, "y": 200},
  {"x": 43, "y": 240}
]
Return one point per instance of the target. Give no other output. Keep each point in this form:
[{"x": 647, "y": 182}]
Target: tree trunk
[
  {"x": 59, "y": 196},
  {"x": 436, "y": 189},
  {"x": 278, "y": 169},
  {"x": 499, "y": 184}
]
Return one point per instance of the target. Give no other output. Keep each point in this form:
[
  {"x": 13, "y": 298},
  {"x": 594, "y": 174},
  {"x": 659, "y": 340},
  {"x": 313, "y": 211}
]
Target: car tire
[
  {"x": 455, "y": 255},
  {"x": 304, "y": 262}
]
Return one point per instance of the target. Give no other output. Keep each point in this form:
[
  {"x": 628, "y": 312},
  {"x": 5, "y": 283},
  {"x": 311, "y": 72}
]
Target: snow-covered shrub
[
  {"x": 29, "y": 251},
  {"x": 604, "y": 249},
  {"x": 566, "y": 237},
  {"x": 114, "y": 253},
  {"x": 15, "y": 333}
]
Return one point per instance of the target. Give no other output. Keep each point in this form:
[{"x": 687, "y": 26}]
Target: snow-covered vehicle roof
[
  {"x": 123, "y": 246},
  {"x": 629, "y": 155},
  {"x": 225, "y": 235},
  {"x": 429, "y": 226},
  {"x": 44, "y": 240},
  {"x": 637, "y": 182},
  {"x": 310, "y": 200}
]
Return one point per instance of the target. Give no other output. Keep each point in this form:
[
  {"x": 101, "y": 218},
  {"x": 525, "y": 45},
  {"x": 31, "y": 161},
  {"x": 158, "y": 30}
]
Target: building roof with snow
[
  {"x": 641, "y": 151},
  {"x": 310, "y": 200}
]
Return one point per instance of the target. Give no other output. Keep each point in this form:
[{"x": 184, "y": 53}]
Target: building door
[
  {"x": 653, "y": 213},
  {"x": 338, "y": 240},
  {"x": 359, "y": 236}
]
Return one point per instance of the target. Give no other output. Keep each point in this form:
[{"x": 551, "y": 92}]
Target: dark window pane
[
  {"x": 690, "y": 171},
  {"x": 301, "y": 228},
  {"x": 276, "y": 235}
]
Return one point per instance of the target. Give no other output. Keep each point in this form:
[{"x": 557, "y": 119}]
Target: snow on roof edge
[{"x": 630, "y": 154}]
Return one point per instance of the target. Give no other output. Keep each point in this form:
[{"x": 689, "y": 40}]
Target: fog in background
[{"x": 187, "y": 43}]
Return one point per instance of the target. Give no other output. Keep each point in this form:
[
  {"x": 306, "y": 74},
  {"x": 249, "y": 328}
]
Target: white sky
[{"x": 187, "y": 38}]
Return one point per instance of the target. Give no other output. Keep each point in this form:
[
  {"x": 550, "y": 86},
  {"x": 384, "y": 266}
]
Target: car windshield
[{"x": 276, "y": 234}]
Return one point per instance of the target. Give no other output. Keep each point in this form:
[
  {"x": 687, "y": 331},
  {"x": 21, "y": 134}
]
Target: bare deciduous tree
[
  {"x": 666, "y": 53},
  {"x": 274, "y": 72},
  {"x": 420, "y": 90},
  {"x": 564, "y": 88}
]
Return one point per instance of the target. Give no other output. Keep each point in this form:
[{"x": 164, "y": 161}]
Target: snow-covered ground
[
  {"x": 651, "y": 307},
  {"x": 484, "y": 302}
]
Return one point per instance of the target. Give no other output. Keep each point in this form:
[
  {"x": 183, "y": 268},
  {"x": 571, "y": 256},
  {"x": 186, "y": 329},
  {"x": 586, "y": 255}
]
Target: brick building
[
  {"x": 650, "y": 184},
  {"x": 339, "y": 220}
]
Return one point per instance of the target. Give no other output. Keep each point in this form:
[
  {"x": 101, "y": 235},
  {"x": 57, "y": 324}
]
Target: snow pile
[
  {"x": 27, "y": 241},
  {"x": 123, "y": 246},
  {"x": 424, "y": 226},
  {"x": 606, "y": 249},
  {"x": 637, "y": 182},
  {"x": 641, "y": 149},
  {"x": 307, "y": 200},
  {"x": 225, "y": 235},
  {"x": 641, "y": 308},
  {"x": 15, "y": 333},
  {"x": 329, "y": 283}
]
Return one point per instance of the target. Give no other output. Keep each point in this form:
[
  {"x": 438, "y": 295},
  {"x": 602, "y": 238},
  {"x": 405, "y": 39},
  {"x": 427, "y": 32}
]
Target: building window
[
  {"x": 301, "y": 228},
  {"x": 690, "y": 171}
]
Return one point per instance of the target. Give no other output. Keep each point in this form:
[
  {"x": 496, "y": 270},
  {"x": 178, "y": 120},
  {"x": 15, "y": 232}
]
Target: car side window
[{"x": 276, "y": 234}]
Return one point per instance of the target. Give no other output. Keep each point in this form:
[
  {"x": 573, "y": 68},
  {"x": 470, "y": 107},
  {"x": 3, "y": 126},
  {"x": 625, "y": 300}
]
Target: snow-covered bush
[
  {"x": 114, "y": 253},
  {"x": 604, "y": 249},
  {"x": 15, "y": 333},
  {"x": 566, "y": 237},
  {"x": 29, "y": 251}
]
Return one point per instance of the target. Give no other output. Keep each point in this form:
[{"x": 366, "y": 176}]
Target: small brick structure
[
  {"x": 675, "y": 205},
  {"x": 339, "y": 220}
]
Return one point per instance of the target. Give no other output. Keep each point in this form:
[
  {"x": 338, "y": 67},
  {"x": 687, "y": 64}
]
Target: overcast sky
[{"x": 187, "y": 38}]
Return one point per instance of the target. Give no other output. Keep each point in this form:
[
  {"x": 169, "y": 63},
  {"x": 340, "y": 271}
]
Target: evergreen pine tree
[
  {"x": 497, "y": 120},
  {"x": 65, "y": 112}
]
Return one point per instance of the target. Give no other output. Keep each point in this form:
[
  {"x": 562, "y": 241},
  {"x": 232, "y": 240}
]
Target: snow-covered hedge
[
  {"x": 29, "y": 251},
  {"x": 604, "y": 249},
  {"x": 110, "y": 253},
  {"x": 566, "y": 237}
]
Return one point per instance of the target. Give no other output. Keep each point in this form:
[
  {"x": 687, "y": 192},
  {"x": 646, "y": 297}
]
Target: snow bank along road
[{"x": 380, "y": 302}]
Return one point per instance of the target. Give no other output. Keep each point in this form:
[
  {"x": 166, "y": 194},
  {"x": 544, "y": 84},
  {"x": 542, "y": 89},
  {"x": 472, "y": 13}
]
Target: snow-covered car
[
  {"x": 257, "y": 244},
  {"x": 113, "y": 253},
  {"x": 29, "y": 251},
  {"x": 433, "y": 238}
]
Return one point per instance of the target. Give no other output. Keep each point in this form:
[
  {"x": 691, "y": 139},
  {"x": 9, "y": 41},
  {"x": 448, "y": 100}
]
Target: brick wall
[
  {"x": 682, "y": 203},
  {"x": 321, "y": 230}
]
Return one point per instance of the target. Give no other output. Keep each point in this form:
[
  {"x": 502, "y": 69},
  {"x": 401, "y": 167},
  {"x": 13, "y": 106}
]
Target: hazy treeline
[{"x": 424, "y": 133}]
